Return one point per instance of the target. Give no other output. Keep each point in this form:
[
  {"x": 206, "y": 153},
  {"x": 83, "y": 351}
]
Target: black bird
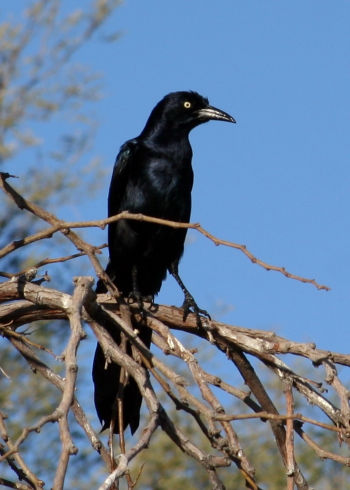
[{"x": 152, "y": 175}]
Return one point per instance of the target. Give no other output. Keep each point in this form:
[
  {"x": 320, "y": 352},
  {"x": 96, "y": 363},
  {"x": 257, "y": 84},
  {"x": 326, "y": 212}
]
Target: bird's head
[{"x": 182, "y": 111}]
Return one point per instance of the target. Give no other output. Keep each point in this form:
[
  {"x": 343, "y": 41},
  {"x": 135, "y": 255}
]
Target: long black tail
[{"x": 106, "y": 381}]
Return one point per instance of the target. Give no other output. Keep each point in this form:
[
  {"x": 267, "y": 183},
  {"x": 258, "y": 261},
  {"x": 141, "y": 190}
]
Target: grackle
[{"x": 153, "y": 176}]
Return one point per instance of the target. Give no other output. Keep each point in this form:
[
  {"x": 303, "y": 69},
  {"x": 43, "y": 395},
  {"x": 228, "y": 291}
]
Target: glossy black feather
[{"x": 153, "y": 176}]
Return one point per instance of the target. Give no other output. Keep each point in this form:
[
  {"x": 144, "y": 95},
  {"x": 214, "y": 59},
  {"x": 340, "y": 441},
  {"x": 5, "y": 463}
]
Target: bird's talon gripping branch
[
  {"x": 153, "y": 307},
  {"x": 136, "y": 297},
  {"x": 190, "y": 306},
  {"x": 148, "y": 299},
  {"x": 130, "y": 299}
]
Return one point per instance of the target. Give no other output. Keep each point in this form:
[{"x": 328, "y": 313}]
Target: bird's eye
[{"x": 187, "y": 104}]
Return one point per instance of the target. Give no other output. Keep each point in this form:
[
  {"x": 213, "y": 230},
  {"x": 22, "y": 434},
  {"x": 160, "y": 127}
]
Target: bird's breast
[{"x": 169, "y": 187}]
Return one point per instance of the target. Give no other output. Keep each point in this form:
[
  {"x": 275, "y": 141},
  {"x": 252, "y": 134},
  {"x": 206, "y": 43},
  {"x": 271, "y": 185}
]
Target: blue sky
[{"x": 277, "y": 181}]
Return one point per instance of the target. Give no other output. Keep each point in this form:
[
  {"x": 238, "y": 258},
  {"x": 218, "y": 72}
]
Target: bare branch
[
  {"x": 67, "y": 226},
  {"x": 217, "y": 443}
]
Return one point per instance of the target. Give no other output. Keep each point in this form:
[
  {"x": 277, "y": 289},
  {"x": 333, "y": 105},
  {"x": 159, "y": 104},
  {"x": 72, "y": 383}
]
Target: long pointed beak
[{"x": 211, "y": 112}]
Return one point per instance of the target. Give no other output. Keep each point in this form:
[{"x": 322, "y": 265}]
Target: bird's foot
[
  {"x": 150, "y": 299},
  {"x": 190, "y": 306},
  {"x": 136, "y": 297}
]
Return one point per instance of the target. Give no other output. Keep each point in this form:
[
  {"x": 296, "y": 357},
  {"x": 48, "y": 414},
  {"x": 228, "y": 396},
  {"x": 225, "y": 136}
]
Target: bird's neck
[
  {"x": 168, "y": 139},
  {"x": 165, "y": 132}
]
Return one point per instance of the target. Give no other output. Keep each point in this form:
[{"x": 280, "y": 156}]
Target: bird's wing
[{"x": 121, "y": 170}]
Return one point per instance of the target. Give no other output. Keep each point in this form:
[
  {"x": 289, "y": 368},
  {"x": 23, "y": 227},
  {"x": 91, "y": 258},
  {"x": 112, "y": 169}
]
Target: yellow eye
[{"x": 187, "y": 104}]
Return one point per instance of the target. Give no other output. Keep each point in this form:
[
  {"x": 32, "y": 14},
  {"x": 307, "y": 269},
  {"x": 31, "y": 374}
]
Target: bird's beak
[{"x": 211, "y": 112}]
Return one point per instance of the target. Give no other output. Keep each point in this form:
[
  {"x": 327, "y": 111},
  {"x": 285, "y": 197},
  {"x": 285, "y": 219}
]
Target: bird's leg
[
  {"x": 135, "y": 294},
  {"x": 189, "y": 302}
]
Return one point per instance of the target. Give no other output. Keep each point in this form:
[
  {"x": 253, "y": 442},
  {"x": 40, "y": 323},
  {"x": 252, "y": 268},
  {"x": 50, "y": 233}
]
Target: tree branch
[{"x": 216, "y": 443}]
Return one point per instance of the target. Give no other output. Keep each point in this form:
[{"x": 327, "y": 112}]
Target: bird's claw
[
  {"x": 190, "y": 306},
  {"x": 135, "y": 297}
]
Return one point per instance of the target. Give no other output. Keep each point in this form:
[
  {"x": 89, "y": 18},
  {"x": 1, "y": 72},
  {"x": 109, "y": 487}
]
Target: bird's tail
[{"x": 106, "y": 378}]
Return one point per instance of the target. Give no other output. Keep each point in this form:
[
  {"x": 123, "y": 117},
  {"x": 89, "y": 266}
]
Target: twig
[
  {"x": 231, "y": 442},
  {"x": 121, "y": 469},
  {"x": 39, "y": 367},
  {"x": 48, "y": 261},
  {"x": 10, "y": 484},
  {"x": 22, "y": 301},
  {"x": 59, "y": 225},
  {"x": 22, "y": 469},
  {"x": 289, "y": 435},
  {"x": 82, "y": 286},
  {"x": 279, "y": 417},
  {"x": 322, "y": 453},
  {"x": 266, "y": 403}
]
